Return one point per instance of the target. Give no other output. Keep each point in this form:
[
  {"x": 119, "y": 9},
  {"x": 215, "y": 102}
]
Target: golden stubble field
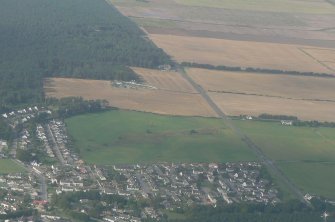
[
  {"x": 240, "y": 53},
  {"x": 181, "y": 100},
  {"x": 309, "y": 98}
]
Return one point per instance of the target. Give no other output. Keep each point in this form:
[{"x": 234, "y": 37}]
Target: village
[{"x": 165, "y": 186}]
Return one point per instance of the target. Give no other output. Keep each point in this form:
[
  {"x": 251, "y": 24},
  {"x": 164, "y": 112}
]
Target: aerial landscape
[{"x": 167, "y": 110}]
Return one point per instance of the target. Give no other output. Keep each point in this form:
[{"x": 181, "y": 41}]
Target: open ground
[
  {"x": 238, "y": 93},
  {"x": 120, "y": 137},
  {"x": 170, "y": 81},
  {"x": 297, "y": 6},
  {"x": 239, "y": 53},
  {"x": 306, "y": 155},
  {"x": 169, "y": 98},
  {"x": 9, "y": 166},
  {"x": 284, "y": 21},
  {"x": 313, "y": 178}
]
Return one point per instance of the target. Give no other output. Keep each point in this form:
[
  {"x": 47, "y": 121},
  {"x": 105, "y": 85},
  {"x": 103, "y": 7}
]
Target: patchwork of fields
[
  {"x": 282, "y": 35},
  {"x": 168, "y": 99},
  {"x": 238, "y": 93}
]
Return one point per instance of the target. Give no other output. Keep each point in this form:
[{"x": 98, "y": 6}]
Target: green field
[
  {"x": 306, "y": 155},
  {"x": 9, "y": 166},
  {"x": 312, "y": 178},
  {"x": 291, "y": 143},
  {"x": 118, "y": 137},
  {"x": 297, "y": 6}
]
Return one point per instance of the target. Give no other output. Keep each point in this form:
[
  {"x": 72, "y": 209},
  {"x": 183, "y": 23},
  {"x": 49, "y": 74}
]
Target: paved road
[
  {"x": 43, "y": 187},
  {"x": 55, "y": 145},
  {"x": 43, "y": 184},
  {"x": 256, "y": 149}
]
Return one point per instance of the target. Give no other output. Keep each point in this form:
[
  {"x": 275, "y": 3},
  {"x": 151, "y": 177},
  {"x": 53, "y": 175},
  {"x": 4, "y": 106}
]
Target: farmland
[
  {"x": 132, "y": 137},
  {"x": 291, "y": 143},
  {"x": 170, "y": 81},
  {"x": 284, "y": 86},
  {"x": 239, "y": 53},
  {"x": 291, "y": 22},
  {"x": 239, "y": 93},
  {"x": 161, "y": 101},
  {"x": 9, "y": 166},
  {"x": 306, "y": 155},
  {"x": 300, "y": 6},
  {"x": 314, "y": 178},
  {"x": 236, "y": 104}
]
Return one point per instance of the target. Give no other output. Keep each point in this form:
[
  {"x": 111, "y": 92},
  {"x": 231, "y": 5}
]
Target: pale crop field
[
  {"x": 155, "y": 101},
  {"x": 236, "y": 104},
  {"x": 164, "y": 80},
  {"x": 292, "y": 6},
  {"x": 270, "y": 85},
  {"x": 239, "y": 53}
]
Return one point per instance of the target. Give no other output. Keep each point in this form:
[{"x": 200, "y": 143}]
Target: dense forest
[{"x": 67, "y": 38}]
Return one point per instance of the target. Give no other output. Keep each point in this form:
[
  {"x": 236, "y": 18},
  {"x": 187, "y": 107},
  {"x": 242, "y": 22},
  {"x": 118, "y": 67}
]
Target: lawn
[
  {"x": 291, "y": 143},
  {"x": 312, "y": 178},
  {"x": 119, "y": 137},
  {"x": 9, "y": 166},
  {"x": 297, "y": 6}
]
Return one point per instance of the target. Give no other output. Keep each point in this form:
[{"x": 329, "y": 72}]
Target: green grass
[
  {"x": 291, "y": 143},
  {"x": 306, "y": 155},
  {"x": 118, "y": 137},
  {"x": 312, "y": 178},
  {"x": 300, "y": 6},
  {"x": 9, "y": 166}
]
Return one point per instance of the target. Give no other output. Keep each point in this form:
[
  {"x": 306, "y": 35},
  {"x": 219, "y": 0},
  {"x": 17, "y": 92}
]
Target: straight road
[
  {"x": 55, "y": 145},
  {"x": 256, "y": 149},
  {"x": 43, "y": 184}
]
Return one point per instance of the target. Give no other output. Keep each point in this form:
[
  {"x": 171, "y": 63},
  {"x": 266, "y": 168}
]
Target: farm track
[{"x": 270, "y": 164}]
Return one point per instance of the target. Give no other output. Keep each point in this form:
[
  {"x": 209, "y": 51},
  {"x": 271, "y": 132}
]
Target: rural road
[{"x": 272, "y": 167}]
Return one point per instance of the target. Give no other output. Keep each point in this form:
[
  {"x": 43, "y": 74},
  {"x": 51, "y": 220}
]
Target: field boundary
[
  {"x": 315, "y": 59},
  {"x": 271, "y": 96}
]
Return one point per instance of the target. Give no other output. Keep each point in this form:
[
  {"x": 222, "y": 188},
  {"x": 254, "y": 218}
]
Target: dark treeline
[
  {"x": 257, "y": 70},
  {"x": 71, "y": 106},
  {"x": 296, "y": 121},
  {"x": 5, "y": 130},
  {"x": 314, "y": 124},
  {"x": 293, "y": 211},
  {"x": 277, "y": 117},
  {"x": 67, "y": 38}
]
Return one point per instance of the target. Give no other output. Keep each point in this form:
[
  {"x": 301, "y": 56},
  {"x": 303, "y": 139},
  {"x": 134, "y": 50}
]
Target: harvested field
[
  {"x": 331, "y": 65},
  {"x": 170, "y": 81},
  {"x": 325, "y": 57},
  {"x": 267, "y": 21},
  {"x": 271, "y": 85},
  {"x": 300, "y": 6},
  {"x": 235, "y": 104},
  {"x": 155, "y": 101},
  {"x": 239, "y": 53}
]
